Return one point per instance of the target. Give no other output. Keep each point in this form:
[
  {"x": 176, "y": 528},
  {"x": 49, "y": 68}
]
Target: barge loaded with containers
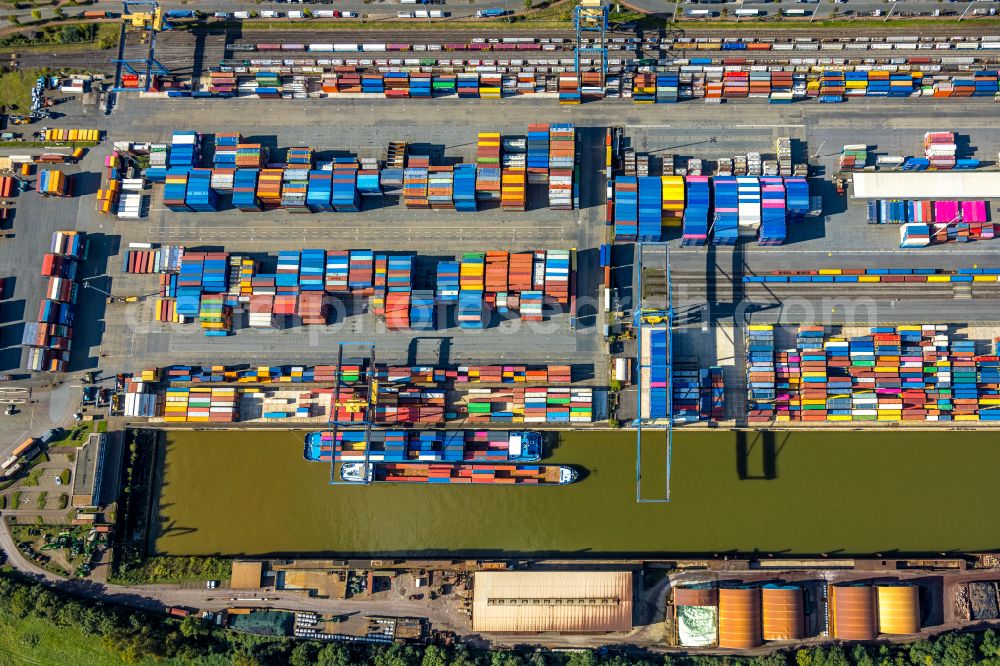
[
  {"x": 400, "y": 446},
  {"x": 537, "y": 475}
]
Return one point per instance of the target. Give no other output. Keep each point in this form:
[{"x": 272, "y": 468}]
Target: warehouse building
[
  {"x": 247, "y": 575},
  {"x": 898, "y": 609},
  {"x": 696, "y": 615},
  {"x": 851, "y": 609},
  {"x": 739, "y": 618},
  {"x": 784, "y": 613},
  {"x": 560, "y": 601},
  {"x": 926, "y": 185},
  {"x": 95, "y": 472}
]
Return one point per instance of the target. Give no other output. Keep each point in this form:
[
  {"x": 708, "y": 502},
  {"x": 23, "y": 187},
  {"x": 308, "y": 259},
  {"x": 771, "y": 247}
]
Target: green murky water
[{"x": 840, "y": 493}]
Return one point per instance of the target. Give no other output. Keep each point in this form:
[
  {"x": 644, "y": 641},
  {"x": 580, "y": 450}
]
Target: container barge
[
  {"x": 424, "y": 446},
  {"x": 539, "y": 475}
]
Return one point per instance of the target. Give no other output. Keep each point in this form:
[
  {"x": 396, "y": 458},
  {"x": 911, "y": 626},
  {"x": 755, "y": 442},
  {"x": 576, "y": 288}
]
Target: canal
[{"x": 840, "y": 493}]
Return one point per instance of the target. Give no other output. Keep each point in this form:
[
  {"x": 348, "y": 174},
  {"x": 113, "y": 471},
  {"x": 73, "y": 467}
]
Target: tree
[
  {"x": 990, "y": 647},
  {"x": 861, "y": 657},
  {"x": 582, "y": 659},
  {"x": 304, "y": 654},
  {"x": 192, "y": 627},
  {"x": 434, "y": 656},
  {"x": 333, "y": 654},
  {"x": 36, "y": 14},
  {"x": 462, "y": 657},
  {"x": 504, "y": 658},
  {"x": 537, "y": 659},
  {"x": 242, "y": 658},
  {"x": 527, "y": 5},
  {"x": 958, "y": 649},
  {"x": 395, "y": 655}
]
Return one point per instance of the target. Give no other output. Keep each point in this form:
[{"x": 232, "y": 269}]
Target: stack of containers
[
  {"x": 940, "y": 149},
  {"x": 226, "y": 144},
  {"x": 53, "y": 183},
  {"x": 686, "y": 401},
  {"x": 269, "y": 187},
  {"x": 495, "y": 277},
  {"x": 467, "y": 84},
  {"x": 261, "y": 311},
  {"x": 472, "y": 286},
  {"x": 311, "y": 270},
  {"x": 369, "y": 182},
  {"x": 659, "y": 372},
  {"x": 245, "y": 190},
  {"x": 372, "y": 84},
  {"x": 644, "y": 88},
  {"x": 832, "y": 86},
  {"x": 488, "y": 184},
  {"x": 914, "y": 235},
  {"x": 649, "y": 209},
  {"x": 726, "y": 219},
  {"x": 748, "y": 188},
  {"x": 313, "y": 308},
  {"x": 513, "y": 189},
  {"x": 295, "y": 186},
  {"x": 344, "y": 194},
  {"x": 200, "y": 197},
  {"x": 420, "y": 85},
  {"x": 464, "y": 188},
  {"x": 735, "y": 84},
  {"x": 337, "y": 269},
  {"x": 557, "y": 268},
  {"x": 185, "y": 149},
  {"x": 447, "y": 282},
  {"x": 440, "y": 188},
  {"x": 695, "y": 226},
  {"x": 320, "y": 191},
  {"x": 796, "y": 198},
  {"x": 626, "y": 208},
  {"x": 531, "y": 303},
  {"x": 422, "y": 310},
  {"x": 175, "y": 189},
  {"x": 854, "y": 157},
  {"x": 537, "y": 145},
  {"x": 712, "y": 404},
  {"x": 569, "y": 88},
  {"x": 772, "y": 227},
  {"x": 672, "y": 199},
  {"x": 250, "y": 155},
  {"x": 415, "y": 178},
  {"x": 361, "y": 272},
  {"x": 397, "y": 84},
  {"x": 488, "y": 148},
  {"x": 761, "y": 377},
  {"x": 667, "y": 87},
  {"x": 444, "y": 85},
  {"x": 214, "y": 315}
]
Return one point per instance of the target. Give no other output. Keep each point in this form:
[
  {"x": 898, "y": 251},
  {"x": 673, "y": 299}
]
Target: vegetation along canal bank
[{"x": 251, "y": 493}]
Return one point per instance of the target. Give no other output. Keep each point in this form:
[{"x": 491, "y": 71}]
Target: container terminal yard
[{"x": 729, "y": 297}]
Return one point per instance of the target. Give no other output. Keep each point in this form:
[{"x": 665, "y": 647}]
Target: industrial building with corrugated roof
[
  {"x": 696, "y": 614},
  {"x": 898, "y": 609},
  {"x": 926, "y": 185},
  {"x": 562, "y": 601},
  {"x": 739, "y": 618},
  {"x": 247, "y": 575},
  {"x": 784, "y": 613},
  {"x": 852, "y": 612}
]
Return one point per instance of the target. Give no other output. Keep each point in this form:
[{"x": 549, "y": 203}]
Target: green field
[{"x": 33, "y": 641}]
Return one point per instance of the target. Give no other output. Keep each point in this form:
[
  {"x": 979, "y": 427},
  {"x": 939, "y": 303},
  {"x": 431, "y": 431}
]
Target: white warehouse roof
[{"x": 927, "y": 185}]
